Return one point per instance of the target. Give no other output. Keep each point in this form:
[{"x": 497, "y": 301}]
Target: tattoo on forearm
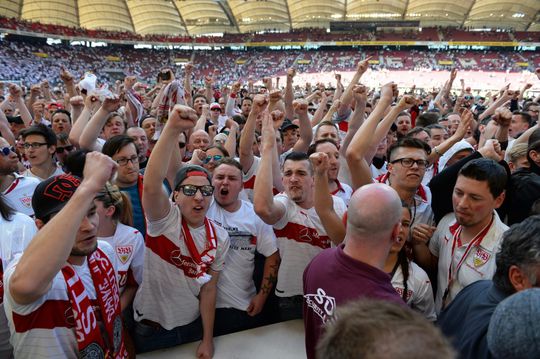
[{"x": 268, "y": 283}]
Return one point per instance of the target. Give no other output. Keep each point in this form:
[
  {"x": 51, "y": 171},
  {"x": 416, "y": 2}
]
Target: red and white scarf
[
  {"x": 204, "y": 259},
  {"x": 90, "y": 342}
]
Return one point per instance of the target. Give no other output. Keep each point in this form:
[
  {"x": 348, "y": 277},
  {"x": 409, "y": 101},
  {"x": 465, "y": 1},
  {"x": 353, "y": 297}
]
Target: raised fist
[
  {"x": 387, "y": 91},
  {"x": 35, "y": 90},
  {"x": 182, "y": 117},
  {"x": 15, "y": 91},
  {"x": 503, "y": 116},
  {"x": 236, "y": 87},
  {"x": 76, "y": 101},
  {"x": 259, "y": 103},
  {"x": 111, "y": 104},
  {"x": 65, "y": 75},
  {"x": 275, "y": 96},
  {"x": 407, "y": 101},
  {"x": 188, "y": 68},
  {"x": 98, "y": 169},
  {"x": 277, "y": 119},
  {"x": 300, "y": 106},
  {"x": 129, "y": 81},
  {"x": 198, "y": 157},
  {"x": 291, "y": 73},
  {"x": 320, "y": 162}
]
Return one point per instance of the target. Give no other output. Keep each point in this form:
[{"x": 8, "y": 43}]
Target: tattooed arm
[{"x": 271, "y": 266}]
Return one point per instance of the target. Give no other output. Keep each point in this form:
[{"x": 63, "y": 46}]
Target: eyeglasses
[
  {"x": 60, "y": 150},
  {"x": 7, "y": 150},
  {"x": 34, "y": 145},
  {"x": 124, "y": 161},
  {"x": 216, "y": 109},
  {"x": 210, "y": 158},
  {"x": 181, "y": 144},
  {"x": 190, "y": 190},
  {"x": 409, "y": 162}
]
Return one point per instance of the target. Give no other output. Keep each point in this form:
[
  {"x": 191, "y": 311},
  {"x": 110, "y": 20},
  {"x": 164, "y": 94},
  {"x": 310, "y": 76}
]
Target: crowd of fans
[
  {"x": 206, "y": 202},
  {"x": 296, "y": 35},
  {"x": 39, "y": 61}
]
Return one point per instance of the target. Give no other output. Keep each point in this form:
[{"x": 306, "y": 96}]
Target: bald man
[{"x": 354, "y": 269}]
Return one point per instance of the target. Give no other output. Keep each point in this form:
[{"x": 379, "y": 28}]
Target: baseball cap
[
  {"x": 215, "y": 105},
  {"x": 514, "y": 330},
  {"x": 286, "y": 125},
  {"x": 15, "y": 119},
  {"x": 52, "y": 195},
  {"x": 189, "y": 171}
]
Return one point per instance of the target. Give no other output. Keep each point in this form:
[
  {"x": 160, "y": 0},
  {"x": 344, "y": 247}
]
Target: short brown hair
[{"x": 375, "y": 329}]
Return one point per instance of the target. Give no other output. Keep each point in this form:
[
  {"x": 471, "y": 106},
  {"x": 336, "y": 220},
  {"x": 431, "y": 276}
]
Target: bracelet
[{"x": 436, "y": 150}]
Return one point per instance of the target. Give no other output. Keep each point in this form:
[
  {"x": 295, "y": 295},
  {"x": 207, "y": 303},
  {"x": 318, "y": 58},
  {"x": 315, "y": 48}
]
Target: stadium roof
[{"x": 196, "y": 17}]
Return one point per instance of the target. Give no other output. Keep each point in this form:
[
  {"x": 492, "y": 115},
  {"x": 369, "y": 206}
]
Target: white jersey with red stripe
[
  {"x": 344, "y": 191},
  {"x": 46, "y": 327},
  {"x": 300, "y": 236},
  {"x": 15, "y": 235},
  {"x": 249, "y": 178},
  {"x": 19, "y": 194},
  {"x": 169, "y": 294},
  {"x": 235, "y": 286},
  {"x": 128, "y": 245},
  {"x": 419, "y": 291},
  {"x": 479, "y": 263}
]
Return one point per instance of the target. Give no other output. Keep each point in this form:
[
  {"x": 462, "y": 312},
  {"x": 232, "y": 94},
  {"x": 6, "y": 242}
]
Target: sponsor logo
[{"x": 26, "y": 201}]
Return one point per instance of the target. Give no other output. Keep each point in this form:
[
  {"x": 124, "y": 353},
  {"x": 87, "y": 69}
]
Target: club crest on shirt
[
  {"x": 26, "y": 201},
  {"x": 124, "y": 253},
  {"x": 480, "y": 257}
]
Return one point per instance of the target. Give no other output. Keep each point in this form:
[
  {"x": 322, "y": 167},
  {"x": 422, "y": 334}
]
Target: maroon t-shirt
[{"x": 332, "y": 279}]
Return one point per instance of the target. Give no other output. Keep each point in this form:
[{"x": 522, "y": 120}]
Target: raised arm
[
  {"x": 91, "y": 104},
  {"x": 289, "y": 95},
  {"x": 48, "y": 252},
  {"x": 5, "y": 130},
  {"x": 95, "y": 125},
  {"x": 324, "y": 204},
  {"x": 269, "y": 210},
  {"x": 230, "y": 143},
  {"x": 155, "y": 201},
  {"x": 361, "y": 142},
  {"x": 188, "y": 70},
  {"x": 247, "y": 137},
  {"x": 306, "y": 133},
  {"x": 357, "y": 117},
  {"x": 347, "y": 97},
  {"x": 69, "y": 81},
  {"x": 15, "y": 93},
  {"x": 466, "y": 121}
]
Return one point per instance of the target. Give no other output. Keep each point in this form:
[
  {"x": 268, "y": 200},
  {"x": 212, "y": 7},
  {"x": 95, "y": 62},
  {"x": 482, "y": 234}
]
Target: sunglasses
[
  {"x": 210, "y": 158},
  {"x": 216, "y": 109},
  {"x": 7, "y": 150},
  {"x": 62, "y": 149},
  {"x": 190, "y": 190}
]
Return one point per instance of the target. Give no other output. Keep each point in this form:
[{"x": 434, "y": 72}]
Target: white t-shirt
[
  {"x": 34, "y": 338},
  {"x": 15, "y": 235},
  {"x": 235, "y": 286},
  {"x": 249, "y": 178},
  {"x": 128, "y": 245},
  {"x": 167, "y": 295},
  {"x": 19, "y": 194},
  {"x": 479, "y": 264},
  {"x": 300, "y": 236},
  {"x": 344, "y": 192},
  {"x": 57, "y": 172},
  {"x": 419, "y": 292}
]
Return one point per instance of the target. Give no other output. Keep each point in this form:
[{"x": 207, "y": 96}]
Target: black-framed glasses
[
  {"x": 210, "y": 158},
  {"x": 124, "y": 161},
  {"x": 190, "y": 190},
  {"x": 61, "y": 150},
  {"x": 7, "y": 150},
  {"x": 409, "y": 162},
  {"x": 34, "y": 145}
]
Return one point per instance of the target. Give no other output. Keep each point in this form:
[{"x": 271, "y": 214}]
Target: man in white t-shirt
[
  {"x": 463, "y": 247},
  {"x": 298, "y": 228},
  {"x": 185, "y": 252},
  {"x": 61, "y": 294},
  {"x": 238, "y": 302},
  {"x": 17, "y": 189}
]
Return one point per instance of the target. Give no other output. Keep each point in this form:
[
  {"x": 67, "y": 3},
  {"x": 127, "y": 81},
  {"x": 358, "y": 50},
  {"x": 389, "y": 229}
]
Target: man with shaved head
[{"x": 354, "y": 269}]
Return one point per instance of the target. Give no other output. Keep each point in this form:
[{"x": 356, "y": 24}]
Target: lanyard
[
  {"x": 210, "y": 237},
  {"x": 473, "y": 243}
]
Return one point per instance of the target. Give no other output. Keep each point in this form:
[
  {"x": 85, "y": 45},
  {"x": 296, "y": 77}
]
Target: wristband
[{"x": 436, "y": 150}]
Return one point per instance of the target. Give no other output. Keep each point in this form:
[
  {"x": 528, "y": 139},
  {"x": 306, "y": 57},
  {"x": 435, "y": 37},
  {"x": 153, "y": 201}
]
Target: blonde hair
[{"x": 112, "y": 196}]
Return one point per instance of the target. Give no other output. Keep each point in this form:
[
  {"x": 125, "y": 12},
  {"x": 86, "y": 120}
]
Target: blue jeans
[{"x": 151, "y": 336}]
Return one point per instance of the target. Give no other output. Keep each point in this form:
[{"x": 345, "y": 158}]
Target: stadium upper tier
[
  {"x": 298, "y": 36},
  {"x": 31, "y": 63}
]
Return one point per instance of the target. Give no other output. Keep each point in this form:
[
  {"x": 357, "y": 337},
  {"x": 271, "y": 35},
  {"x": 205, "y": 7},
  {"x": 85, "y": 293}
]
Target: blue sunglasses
[{"x": 6, "y": 150}]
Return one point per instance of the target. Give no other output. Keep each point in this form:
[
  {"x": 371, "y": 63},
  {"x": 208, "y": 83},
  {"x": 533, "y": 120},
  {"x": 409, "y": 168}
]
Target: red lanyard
[
  {"x": 193, "y": 251},
  {"x": 473, "y": 243}
]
